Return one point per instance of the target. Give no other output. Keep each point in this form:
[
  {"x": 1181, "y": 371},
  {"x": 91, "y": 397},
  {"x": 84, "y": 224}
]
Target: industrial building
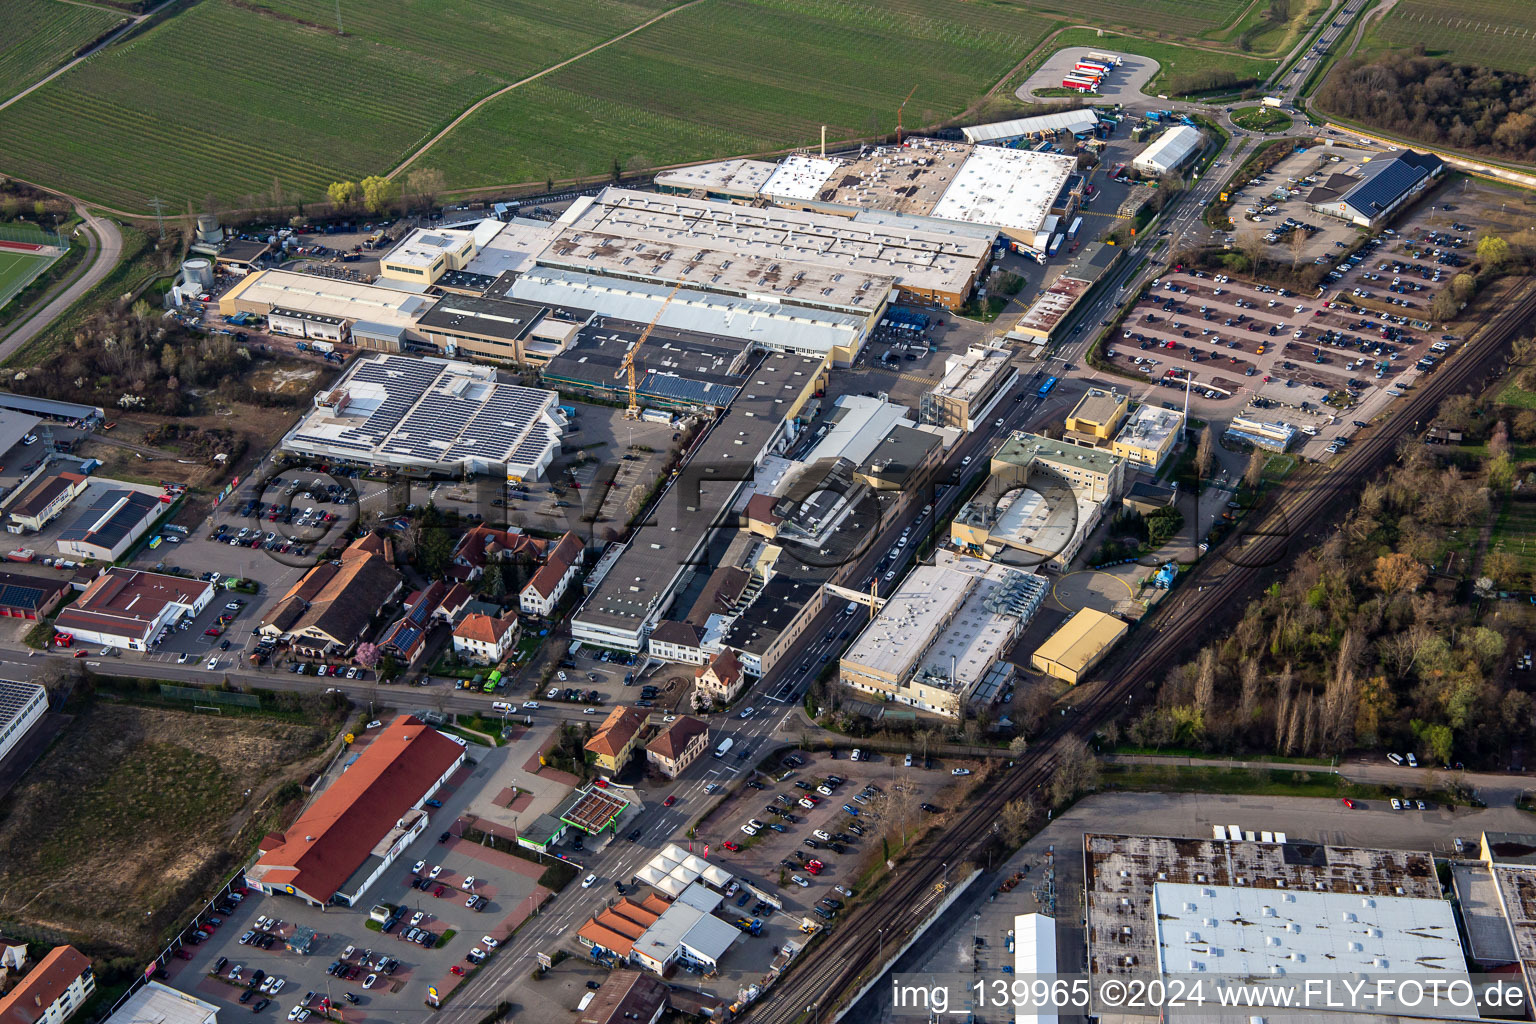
[
  {"x": 727, "y": 180},
  {"x": 1149, "y": 437},
  {"x": 1096, "y": 417},
  {"x": 973, "y": 385},
  {"x": 154, "y": 1003},
  {"x": 431, "y": 415},
  {"x": 347, "y": 838},
  {"x": 1498, "y": 904},
  {"x": 110, "y": 526},
  {"x": 45, "y": 500},
  {"x": 801, "y": 259},
  {"x": 127, "y": 608},
  {"x": 22, "y": 706},
  {"x": 1273, "y": 435},
  {"x": 1043, "y": 500},
  {"x": 425, "y": 254},
  {"x": 1263, "y": 906},
  {"x": 659, "y": 932},
  {"x": 939, "y": 642},
  {"x": 1001, "y": 133},
  {"x": 370, "y": 316},
  {"x": 771, "y": 626},
  {"x": 1368, "y": 193},
  {"x": 1079, "y": 644},
  {"x": 675, "y": 370},
  {"x": 1170, "y": 153},
  {"x": 1051, "y": 307},
  {"x": 632, "y": 586}
]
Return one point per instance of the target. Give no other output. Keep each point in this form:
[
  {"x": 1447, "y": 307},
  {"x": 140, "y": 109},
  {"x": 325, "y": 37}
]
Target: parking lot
[
  {"x": 1233, "y": 340},
  {"x": 386, "y": 973},
  {"x": 1274, "y": 207},
  {"x": 806, "y": 837}
]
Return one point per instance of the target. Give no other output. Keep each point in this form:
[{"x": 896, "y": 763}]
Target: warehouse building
[
  {"x": 1369, "y": 193},
  {"x": 938, "y": 643},
  {"x": 30, "y": 597},
  {"x": 1096, "y": 475},
  {"x": 1051, "y": 307},
  {"x": 634, "y": 583},
  {"x": 347, "y": 838},
  {"x": 127, "y": 608},
  {"x": 1007, "y": 191},
  {"x": 425, "y": 254},
  {"x": 1149, "y": 437},
  {"x": 675, "y": 370},
  {"x": 1071, "y": 652},
  {"x": 155, "y": 1003},
  {"x": 800, "y": 259},
  {"x": 1044, "y": 126},
  {"x": 1172, "y": 151},
  {"x": 22, "y": 706},
  {"x": 775, "y": 623},
  {"x": 45, "y": 500},
  {"x": 1263, "y": 906},
  {"x": 726, "y": 180},
  {"x": 370, "y": 316},
  {"x": 972, "y": 386},
  {"x": 432, "y": 415},
  {"x": 480, "y": 328},
  {"x": 110, "y": 526}
]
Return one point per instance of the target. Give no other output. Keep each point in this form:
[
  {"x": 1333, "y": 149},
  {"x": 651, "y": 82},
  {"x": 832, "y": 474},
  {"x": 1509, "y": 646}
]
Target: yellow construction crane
[
  {"x": 898, "y": 114},
  {"x": 628, "y": 369}
]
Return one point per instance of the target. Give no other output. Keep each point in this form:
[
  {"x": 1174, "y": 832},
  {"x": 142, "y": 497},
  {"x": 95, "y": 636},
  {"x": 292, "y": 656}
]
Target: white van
[{"x": 500, "y": 705}]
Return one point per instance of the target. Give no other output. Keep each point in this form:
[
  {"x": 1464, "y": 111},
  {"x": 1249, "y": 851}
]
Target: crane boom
[
  {"x": 898, "y": 114},
  {"x": 633, "y": 412}
]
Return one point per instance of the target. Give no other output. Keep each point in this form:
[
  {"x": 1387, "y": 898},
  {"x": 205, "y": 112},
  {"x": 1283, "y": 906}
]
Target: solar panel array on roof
[
  {"x": 670, "y": 385},
  {"x": 1379, "y": 192},
  {"x": 14, "y": 698}
]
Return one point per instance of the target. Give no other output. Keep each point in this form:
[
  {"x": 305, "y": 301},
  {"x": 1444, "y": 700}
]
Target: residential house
[
  {"x": 678, "y": 641},
  {"x": 51, "y": 992},
  {"x": 678, "y": 747},
  {"x": 484, "y": 544},
  {"x": 543, "y": 593},
  {"x": 407, "y": 638},
  {"x": 615, "y": 740},
  {"x": 484, "y": 639},
  {"x": 325, "y": 613},
  {"x": 721, "y": 680}
]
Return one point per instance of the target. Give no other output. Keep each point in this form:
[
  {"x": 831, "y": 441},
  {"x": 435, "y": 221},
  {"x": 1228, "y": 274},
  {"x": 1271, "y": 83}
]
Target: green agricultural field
[
  {"x": 1493, "y": 33},
  {"x": 1177, "y": 17},
  {"x": 40, "y": 35},
  {"x": 1174, "y": 60},
  {"x": 734, "y": 76},
  {"x": 155, "y": 117}
]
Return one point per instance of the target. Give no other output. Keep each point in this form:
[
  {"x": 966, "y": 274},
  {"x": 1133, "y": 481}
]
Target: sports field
[
  {"x": 19, "y": 269},
  {"x": 1493, "y": 33},
  {"x": 40, "y": 35}
]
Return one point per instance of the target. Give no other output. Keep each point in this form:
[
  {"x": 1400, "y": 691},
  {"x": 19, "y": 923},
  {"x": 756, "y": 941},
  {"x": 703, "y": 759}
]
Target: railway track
[{"x": 1213, "y": 592}]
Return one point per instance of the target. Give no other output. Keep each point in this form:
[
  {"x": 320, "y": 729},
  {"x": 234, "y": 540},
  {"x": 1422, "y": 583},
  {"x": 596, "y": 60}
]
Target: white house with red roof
[
  {"x": 485, "y": 639},
  {"x": 542, "y": 594}
]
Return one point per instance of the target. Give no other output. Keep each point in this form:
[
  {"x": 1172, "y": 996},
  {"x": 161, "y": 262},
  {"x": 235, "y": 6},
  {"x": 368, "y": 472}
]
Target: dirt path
[
  {"x": 434, "y": 140},
  {"x": 133, "y": 22}
]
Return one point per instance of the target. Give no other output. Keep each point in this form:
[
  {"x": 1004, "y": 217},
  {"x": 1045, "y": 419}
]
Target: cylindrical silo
[{"x": 200, "y": 271}]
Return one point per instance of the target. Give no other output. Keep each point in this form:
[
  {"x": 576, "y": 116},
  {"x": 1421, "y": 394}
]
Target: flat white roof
[
  {"x": 745, "y": 176},
  {"x": 160, "y": 1004},
  {"x": 938, "y": 624},
  {"x": 1171, "y": 148},
  {"x": 326, "y": 296},
  {"x": 423, "y": 246},
  {"x": 1012, "y": 188},
  {"x": 967, "y": 374},
  {"x": 1043, "y": 517},
  {"x": 512, "y": 248},
  {"x": 863, "y": 422},
  {"x": 800, "y": 177},
  {"x": 1074, "y": 121},
  {"x": 1259, "y": 933},
  {"x": 1150, "y": 426},
  {"x": 789, "y": 256},
  {"x": 1034, "y": 952}
]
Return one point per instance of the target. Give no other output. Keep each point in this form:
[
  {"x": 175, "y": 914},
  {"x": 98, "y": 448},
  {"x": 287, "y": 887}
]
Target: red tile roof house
[
  {"x": 543, "y": 593},
  {"x": 52, "y": 991},
  {"x": 484, "y": 639},
  {"x": 350, "y": 835},
  {"x": 484, "y": 543}
]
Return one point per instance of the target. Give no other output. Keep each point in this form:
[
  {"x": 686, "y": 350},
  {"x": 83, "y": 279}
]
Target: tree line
[
  {"x": 1471, "y": 108},
  {"x": 1377, "y": 638}
]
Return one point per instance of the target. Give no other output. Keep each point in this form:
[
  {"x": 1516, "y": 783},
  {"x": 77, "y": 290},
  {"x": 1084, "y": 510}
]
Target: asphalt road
[{"x": 105, "y": 249}]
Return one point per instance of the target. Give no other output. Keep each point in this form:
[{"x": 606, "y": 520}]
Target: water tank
[
  {"x": 198, "y": 271},
  {"x": 208, "y": 229}
]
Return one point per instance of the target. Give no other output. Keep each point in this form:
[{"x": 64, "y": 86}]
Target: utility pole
[
  {"x": 158, "y": 205},
  {"x": 338, "y": 19}
]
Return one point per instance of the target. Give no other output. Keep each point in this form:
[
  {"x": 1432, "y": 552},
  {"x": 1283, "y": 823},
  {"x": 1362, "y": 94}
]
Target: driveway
[{"x": 1122, "y": 85}]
